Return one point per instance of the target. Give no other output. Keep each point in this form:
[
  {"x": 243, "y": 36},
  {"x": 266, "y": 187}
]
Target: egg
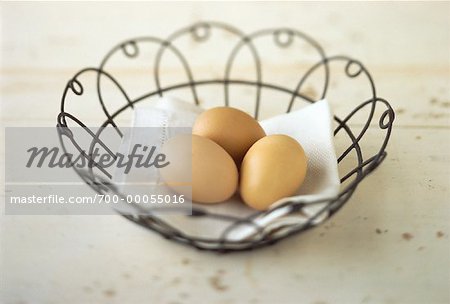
[
  {"x": 199, "y": 168},
  {"x": 274, "y": 167},
  {"x": 233, "y": 129}
]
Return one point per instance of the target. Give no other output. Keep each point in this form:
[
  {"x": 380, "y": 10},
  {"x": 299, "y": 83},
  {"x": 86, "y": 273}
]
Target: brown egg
[
  {"x": 273, "y": 168},
  {"x": 232, "y": 129},
  {"x": 199, "y": 168}
]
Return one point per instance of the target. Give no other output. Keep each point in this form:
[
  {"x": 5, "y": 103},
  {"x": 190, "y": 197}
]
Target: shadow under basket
[{"x": 377, "y": 115}]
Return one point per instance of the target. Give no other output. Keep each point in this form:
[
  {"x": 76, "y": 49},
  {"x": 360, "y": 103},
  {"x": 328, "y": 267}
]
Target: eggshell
[
  {"x": 273, "y": 168},
  {"x": 199, "y": 168},
  {"x": 232, "y": 129}
]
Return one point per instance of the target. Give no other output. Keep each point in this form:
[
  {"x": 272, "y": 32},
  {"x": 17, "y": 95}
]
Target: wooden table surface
[{"x": 389, "y": 244}]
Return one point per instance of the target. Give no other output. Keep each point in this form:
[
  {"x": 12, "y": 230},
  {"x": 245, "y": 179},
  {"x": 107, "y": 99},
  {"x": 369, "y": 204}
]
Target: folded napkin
[{"x": 310, "y": 126}]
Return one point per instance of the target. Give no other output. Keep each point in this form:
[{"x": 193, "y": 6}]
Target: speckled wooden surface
[{"x": 389, "y": 244}]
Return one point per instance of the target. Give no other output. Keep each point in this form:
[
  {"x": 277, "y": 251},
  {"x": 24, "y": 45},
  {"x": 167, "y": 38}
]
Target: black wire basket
[{"x": 378, "y": 116}]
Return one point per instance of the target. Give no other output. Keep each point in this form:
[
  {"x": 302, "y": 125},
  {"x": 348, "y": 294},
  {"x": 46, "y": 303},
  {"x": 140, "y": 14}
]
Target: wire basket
[{"x": 363, "y": 162}]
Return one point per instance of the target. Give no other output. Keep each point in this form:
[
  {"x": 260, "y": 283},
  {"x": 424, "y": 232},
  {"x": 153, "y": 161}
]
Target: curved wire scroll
[{"x": 200, "y": 32}]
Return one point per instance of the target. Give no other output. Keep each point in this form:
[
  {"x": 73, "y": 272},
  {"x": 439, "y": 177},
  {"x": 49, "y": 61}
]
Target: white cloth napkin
[{"x": 311, "y": 126}]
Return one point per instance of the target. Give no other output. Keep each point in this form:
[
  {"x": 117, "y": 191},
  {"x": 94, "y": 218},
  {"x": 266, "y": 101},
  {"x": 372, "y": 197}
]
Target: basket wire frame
[{"x": 200, "y": 32}]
